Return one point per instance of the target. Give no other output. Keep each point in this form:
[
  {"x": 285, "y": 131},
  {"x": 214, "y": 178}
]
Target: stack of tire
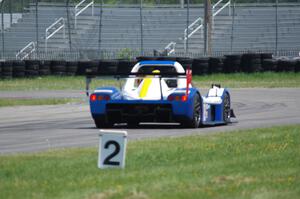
[
  {"x": 87, "y": 67},
  {"x": 184, "y": 61},
  {"x": 7, "y": 70},
  {"x": 200, "y": 66},
  {"x": 232, "y": 63},
  {"x": 215, "y": 65},
  {"x": 108, "y": 67},
  {"x": 71, "y": 68},
  {"x": 18, "y": 67},
  {"x": 58, "y": 67},
  {"x": 32, "y": 68},
  {"x": 0, "y": 70},
  {"x": 251, "y": 62},
  {"x": 285, "y": 64},
  {"x": 125, "y": 66},
  {"x": 45, "y": 68},
  {"x": 267, "y": 62},
  {"x": 297, "y": 66}
]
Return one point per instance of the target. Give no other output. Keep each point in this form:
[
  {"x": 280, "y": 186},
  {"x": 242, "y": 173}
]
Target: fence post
[
  {"x": 69, "y": 25},
  {"x": 37, "y": 26},
  {"x": 2, "y": 28},
  {"x": 232, "y": 27},
  {"x": 141, "y": 23},
  {"x": 276, "y": 26},
  {"x": 10, "y": 13},
  {"x": 100, "y": 27},
  {"x": 187, "y": 26}
]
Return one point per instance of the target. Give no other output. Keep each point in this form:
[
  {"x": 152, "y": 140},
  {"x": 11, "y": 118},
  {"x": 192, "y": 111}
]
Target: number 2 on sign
[{"x": 107, "y": 160}]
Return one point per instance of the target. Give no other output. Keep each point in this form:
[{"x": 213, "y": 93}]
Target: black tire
[
  {"x": 297, "y": 66},
  {"x": 197, "y": 113},
  {"x": 226, "y": 108},
  {"x": 32, "y": 65},
  {"x": 32, "y": 73},
  {"x": 101, "y": 123}
]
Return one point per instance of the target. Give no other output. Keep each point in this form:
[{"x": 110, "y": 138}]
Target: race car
[{"x": 160, "y": 92}]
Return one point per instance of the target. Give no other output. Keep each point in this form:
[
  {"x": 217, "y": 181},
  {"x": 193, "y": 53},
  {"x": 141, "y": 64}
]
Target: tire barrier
[
  {"x": 200, "y": 66},
  {"x": 0, "y": 70},
  {"x": 32, "y": 68},
  {"x": 71, "y": 68},
  {"x": 125, "y": 66},
  {"x": 286, "y": 65},
  {"x": 7, "y": 70},
  {"x": 108, "y": 66},
  {"x": 269, "y": 65},
  {"x": 185, "y": 62},
  {"x": 249, "y": 62},
  {"x": 58, "y": 67},
  {"x": 18, "y": 69},
  {"x": 232, "y": 63},
  {"x": 215, "y": 65},
  {"x": 45, "y": 68},
  {"x": 297, "y": 66}
]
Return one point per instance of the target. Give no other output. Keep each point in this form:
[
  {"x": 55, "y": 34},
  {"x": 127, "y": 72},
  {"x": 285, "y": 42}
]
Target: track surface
[{"x": 37, "y": 128}]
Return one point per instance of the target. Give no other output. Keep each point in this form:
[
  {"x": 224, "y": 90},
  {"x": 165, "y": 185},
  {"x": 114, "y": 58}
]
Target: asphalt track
[{"x": 38, "y": 128}]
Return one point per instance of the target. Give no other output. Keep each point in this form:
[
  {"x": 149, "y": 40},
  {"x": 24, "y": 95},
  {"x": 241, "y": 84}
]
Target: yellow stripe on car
[
  {"x": 146, "y": 84},
  {"x": 145, "y": 87}
]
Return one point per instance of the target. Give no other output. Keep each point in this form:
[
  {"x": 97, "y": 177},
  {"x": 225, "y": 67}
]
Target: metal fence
[{"x": 88, "y": 29}]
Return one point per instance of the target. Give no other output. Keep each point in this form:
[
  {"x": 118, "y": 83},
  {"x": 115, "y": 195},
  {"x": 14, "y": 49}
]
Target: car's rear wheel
[
  {"x": 197, "y": 110},
  {"x": 226, "y": 108},
  {"x": 102, "y": 123}
]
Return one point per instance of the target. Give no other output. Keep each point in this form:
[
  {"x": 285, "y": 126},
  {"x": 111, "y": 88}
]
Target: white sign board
[{"x": 112, "y": 149}]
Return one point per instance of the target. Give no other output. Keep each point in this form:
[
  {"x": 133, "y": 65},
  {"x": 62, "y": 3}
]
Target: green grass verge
[
  {"x": 259, "y": 163},
  {"x": 29, "y": 102},
  {"x": 238, "y": 80}
]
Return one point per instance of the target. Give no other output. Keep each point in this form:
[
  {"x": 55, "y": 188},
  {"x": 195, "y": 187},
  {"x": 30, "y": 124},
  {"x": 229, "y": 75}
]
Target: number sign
[{"x": 112, "y": 149}]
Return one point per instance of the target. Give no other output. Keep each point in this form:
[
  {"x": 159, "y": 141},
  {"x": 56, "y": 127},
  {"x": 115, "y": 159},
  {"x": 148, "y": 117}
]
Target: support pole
[
  {"x": 100, "y": 27},
  {"x": 187, "y": 26},
  {"x": 276, "y": 26},
  {"x": 37, "y": 25},
  {"x": 207, "y": 27},
  {"x": 2, "y": 29},
  {"x": 69, "y": 25},
  {"x": 141, "y": 23}
]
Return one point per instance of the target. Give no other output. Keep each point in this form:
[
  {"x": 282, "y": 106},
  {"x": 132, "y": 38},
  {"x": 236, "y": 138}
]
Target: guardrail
[
  {"x": 53, "y": 29},
  {"x": 193, "y": 27},
  {"x": 224, "y": 6},
  {"x": 170, "y": 48},
  {"x": 78, "y": 11},
  {"x": 26, "y": 51}
]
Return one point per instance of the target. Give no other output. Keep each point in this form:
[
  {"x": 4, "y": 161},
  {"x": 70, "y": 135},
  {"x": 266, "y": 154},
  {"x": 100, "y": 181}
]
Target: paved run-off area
[{"x": 35, "y": 128}]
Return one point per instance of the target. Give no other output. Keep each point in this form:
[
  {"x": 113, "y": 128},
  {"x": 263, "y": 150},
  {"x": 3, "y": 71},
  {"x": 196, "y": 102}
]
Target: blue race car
[{"x": 159, "y": 91}]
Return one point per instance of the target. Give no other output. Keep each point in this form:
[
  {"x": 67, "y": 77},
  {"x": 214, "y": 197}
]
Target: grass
[
  {"x": 238, "y": 80},
  {"x": 29, "y": 102},
  {"x": 259, "y": 163}
]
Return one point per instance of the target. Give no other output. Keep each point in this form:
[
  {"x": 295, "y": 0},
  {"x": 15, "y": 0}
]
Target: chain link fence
[{"x": 82, "y": 30}]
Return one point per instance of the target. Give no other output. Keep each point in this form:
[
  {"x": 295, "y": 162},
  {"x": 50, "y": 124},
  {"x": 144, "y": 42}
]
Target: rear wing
[{"x": 118, "y": 76}]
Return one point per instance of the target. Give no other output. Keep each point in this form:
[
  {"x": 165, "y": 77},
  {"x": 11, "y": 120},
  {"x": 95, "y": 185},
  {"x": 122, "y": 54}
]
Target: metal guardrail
[
  {"x": 26, "y": 51},
  {"x": 78, "y": 11},
  {"x": 53, "y": 29},
  {"x": 192, "y": 29},
  {"x": 224, "y": 6},
  {"x": 170, "y": 48}
]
